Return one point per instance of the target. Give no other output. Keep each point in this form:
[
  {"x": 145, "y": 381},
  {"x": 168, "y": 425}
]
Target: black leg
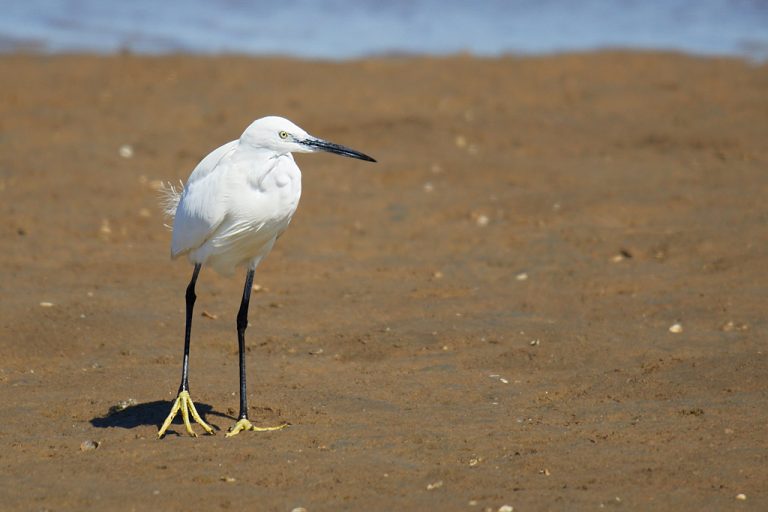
[
  {"x": 242, "y": 324},
  {"x": 188, "y": 330},
  {"x": 183, "y": 402}
]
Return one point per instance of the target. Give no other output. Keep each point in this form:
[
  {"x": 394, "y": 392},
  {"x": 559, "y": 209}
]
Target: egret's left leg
[
  {"x": 183, "y": 401},
  {"x": 242, "y": 324}
]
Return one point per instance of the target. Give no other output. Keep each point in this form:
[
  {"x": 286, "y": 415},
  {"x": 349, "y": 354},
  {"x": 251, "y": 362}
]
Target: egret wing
[
  {"x": 202, "y": 206},
  {"x": 210, "y": 162}
]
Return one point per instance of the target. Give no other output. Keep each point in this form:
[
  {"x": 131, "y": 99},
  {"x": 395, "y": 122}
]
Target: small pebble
[
  {"x": 228, "y": 479},
  {"x": 506, "y": 508},
  {"x": 435, "y": 485},
  {"x": 126, "y": 151},
  {"x": 461, "y": 141},
  {"x": 741, "y": 497},
  {"x": 121, "y": 406},
  {"x": 503, "y": 380},
  {"x": 299, "y": 509},
  {"x": 472, "y": 503},
  {"x": 437, "y": 274},
  {"x": 46, "y": 304},
  {"x": 105, "y": 228},
  {"x": 482, "y": 220},
  {"x": 522, "y": 276},
  {"x": 676, "y": 328},
  {"x": 429, "y": 187},
  {"x": 534, "y": 343},
  {"x": 209, "y": 315},
  {"x": 88, "y": 445},
  {"x": 731, "y": 326}
]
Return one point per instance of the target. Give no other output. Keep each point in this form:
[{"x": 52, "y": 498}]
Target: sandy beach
[{"x": 550, "y": 292}]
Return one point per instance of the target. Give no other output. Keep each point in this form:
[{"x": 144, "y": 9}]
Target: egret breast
[
  {"x": 273, "y": 196},
  {"x": 282, "y": 179},
  {"x": 284, "y": 188}
]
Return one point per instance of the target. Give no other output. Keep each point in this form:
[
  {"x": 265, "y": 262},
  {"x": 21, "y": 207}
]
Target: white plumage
[{"x": 239, "y": 198}]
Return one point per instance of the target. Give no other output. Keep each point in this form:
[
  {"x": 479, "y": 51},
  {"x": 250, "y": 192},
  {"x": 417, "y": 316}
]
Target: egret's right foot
[
  {"x": 184, "y": 402},
  {"x": 244, "y": 424}
]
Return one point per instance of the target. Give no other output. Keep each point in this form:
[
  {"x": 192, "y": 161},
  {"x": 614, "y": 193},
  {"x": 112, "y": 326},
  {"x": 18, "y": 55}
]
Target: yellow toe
[
  {"x": 184, "y": 404},
  {"x": 245, "y": 424}
]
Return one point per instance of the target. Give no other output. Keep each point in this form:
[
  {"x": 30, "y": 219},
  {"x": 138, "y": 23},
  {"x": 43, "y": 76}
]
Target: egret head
[{"x": 281, "y": 136}]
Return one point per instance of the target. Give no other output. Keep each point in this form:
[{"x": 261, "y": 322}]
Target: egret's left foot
[{"x": 244, "y": 424}]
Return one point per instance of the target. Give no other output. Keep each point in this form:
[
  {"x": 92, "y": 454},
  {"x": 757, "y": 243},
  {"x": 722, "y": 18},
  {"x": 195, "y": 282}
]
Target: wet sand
[{"x": 480, "y": 319}]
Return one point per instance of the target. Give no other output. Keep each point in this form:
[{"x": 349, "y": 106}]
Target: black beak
[{"x": 337, "y": 149}]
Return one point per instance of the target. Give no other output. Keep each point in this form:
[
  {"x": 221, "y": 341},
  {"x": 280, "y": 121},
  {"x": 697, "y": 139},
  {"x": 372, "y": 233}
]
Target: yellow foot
[
  {"x": 184, "y": 402},
  {"x": 244, "y": 424}
]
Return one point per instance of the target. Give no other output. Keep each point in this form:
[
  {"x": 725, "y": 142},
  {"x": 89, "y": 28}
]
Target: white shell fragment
[
  {"x": 126, "y": 151},
  {"x": 435, "y": 485},
  {"x": 88, "y": 445},
  {"x": 676, "y": 328},
  {"x": 482, "y": 220}
]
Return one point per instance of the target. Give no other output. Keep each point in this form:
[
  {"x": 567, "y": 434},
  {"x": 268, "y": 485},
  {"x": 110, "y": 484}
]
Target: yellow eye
[{"x": 283, "y": 135}]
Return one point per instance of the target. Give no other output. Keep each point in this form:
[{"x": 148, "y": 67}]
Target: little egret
[{"x": 235, "y": 204}]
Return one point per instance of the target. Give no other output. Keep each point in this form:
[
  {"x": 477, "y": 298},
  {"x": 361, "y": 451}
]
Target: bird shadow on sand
[{"x": 149, "y": 413}]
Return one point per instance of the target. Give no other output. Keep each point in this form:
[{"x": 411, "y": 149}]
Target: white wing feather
[{"x": 200, "y": 210}]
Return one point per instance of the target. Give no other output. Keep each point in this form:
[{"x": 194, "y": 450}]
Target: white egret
[{"x": 235, "y": 204}]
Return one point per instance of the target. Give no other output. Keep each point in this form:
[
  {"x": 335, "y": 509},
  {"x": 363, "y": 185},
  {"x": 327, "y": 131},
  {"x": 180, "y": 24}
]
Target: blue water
[{"x": 344, "y": 29}]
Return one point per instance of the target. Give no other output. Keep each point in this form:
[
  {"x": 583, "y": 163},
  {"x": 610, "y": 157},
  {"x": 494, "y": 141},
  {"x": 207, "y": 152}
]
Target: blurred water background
[{"x": 347, "y": 29}]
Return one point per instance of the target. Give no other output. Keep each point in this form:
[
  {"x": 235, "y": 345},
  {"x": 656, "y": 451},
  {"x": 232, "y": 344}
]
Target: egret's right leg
[
  {"x": 184, "y": 401},
  {"x": 243, "y": 423}
]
